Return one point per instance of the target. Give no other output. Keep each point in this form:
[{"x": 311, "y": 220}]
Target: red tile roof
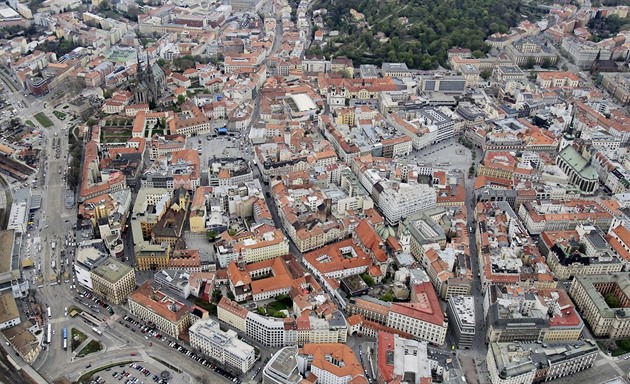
[{"x": 426, "y": 307}]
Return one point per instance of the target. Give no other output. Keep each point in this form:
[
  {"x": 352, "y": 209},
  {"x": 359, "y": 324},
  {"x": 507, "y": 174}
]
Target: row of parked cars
[
  {"x": 204, "y": 362},
  {"x": 148, "y": 331}
]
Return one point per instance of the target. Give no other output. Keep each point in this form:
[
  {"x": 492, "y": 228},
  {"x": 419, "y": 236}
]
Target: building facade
[
  {"x": 151, "y": 305},
  {"x": 113, "y": 280},
  {"x": 225, "y": 347},
  {"x": 461, "y": 313},
  {"x": 605, "y": 303}
]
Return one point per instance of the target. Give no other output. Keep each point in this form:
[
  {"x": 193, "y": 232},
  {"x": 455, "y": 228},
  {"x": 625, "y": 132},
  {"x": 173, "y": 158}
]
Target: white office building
[
  {"x": 400, "y": 200},
  {"x": 283, "y": 367},
  {"x": 224, "y": 347},
  {"x": 269, "y": 331},
  {"x": 461, "y": 313}
]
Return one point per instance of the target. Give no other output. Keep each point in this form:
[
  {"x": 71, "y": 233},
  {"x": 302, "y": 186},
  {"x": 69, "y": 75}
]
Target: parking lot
[
  {"x": 136, "y": 373},
  {"x": 139, "y": 326}
]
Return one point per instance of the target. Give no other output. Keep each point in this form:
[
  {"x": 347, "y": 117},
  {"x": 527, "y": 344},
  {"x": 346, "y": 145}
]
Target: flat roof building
[
  {"x": 402, "y": 360},
  {"x": 461, "y": 313},
  {"x": 113, "y": 280},
  {"x": 283, "y": 367},
  {"x": 605, "y": 303},
  {"x": 225, "y": 347},
  {"x": 9, "y": 314},
  {"x": 527, "y": 363},
  {"x": 9, "y": 257},
  {"x": 175, "y": 280}
]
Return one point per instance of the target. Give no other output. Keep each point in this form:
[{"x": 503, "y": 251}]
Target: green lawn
[
  {"x": 28, "y": 122},
  {"x": 43, "y": 120},
  {"x": 282, "y": 302},
  {"x": 59, "y": 115},
  {"x": 92, "y": 347},
  {"x": 77, "y": 337}
]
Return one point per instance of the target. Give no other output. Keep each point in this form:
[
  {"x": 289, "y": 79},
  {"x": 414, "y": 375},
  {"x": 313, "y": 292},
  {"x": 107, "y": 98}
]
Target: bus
[
  {"x": 65, "y": 339},
  {"x": 48, "y": 337},
  {"x": 96, "y": 330},
  {"x": 49, "y": 313}
]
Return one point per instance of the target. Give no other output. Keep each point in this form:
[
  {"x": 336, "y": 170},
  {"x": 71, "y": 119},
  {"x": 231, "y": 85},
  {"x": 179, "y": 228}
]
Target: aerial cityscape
[{"x": 315, "y": 191}]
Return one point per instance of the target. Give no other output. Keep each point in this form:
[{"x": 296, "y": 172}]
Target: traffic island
[
  {"x": 92, "y": 347},
  {"x": 77, "y": 338}
]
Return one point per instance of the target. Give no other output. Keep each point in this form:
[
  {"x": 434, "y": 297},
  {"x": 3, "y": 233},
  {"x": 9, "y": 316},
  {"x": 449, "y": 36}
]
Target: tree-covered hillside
[{"x": 421, "y": 40}]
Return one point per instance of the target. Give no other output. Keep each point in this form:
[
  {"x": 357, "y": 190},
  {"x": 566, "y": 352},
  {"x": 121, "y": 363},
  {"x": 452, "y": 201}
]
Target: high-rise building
[{"x": 461, "y": 313}]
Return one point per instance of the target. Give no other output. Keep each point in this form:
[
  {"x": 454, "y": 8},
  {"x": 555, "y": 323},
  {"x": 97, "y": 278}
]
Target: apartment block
[
  {"x": 582, "y": 52},
  {"x": 526, "y": 363},
  {"x": 332, "y": 363},
  {"x": 225, "y": 347},
  {"x": 423, "y": 317},
  {"x": 461, "y": 313},
  {"x": 540, "y": 216},
  {"x": 151, "y": 305},
  {"x": 618, "y": 84},
  {"x": 261, "y": 242},
  {"x": 232, "y": 313},
  {"x": 605, "y": 303},
  {"x": 580, "y": 252}
]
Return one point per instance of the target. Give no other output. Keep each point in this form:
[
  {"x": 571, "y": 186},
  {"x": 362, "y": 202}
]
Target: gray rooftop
[{"x": 622, "y": 279}]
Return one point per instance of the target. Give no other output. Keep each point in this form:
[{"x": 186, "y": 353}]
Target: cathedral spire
[{"x": 138, "y": 66}]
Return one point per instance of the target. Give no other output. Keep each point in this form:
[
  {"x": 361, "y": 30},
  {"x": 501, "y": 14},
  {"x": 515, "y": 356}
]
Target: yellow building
[
  {"x": 232, "y": 313},
  {"x": 345, "y": 116},
  {"x": 152, "y": 256}
]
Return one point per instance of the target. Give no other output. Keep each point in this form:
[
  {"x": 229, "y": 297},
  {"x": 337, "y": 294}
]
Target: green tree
[
  {"x": 611, "y": 300},
  {"x": 529, "y": 63},
  {"x": 369, "y": 280},
  {"x": 389, "y": 296},
  {"x": 261, "y": 311},
  {"x": 546, "y": 63},
  {"x": 471, "y": 170},
  {"x": 181, "y": 99},
  {"x": 485, "y": 74},
  {"x": 104, "y": 5},
  {"x": 478, "y": 54},
  {"x": 212, "y": 235}
]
